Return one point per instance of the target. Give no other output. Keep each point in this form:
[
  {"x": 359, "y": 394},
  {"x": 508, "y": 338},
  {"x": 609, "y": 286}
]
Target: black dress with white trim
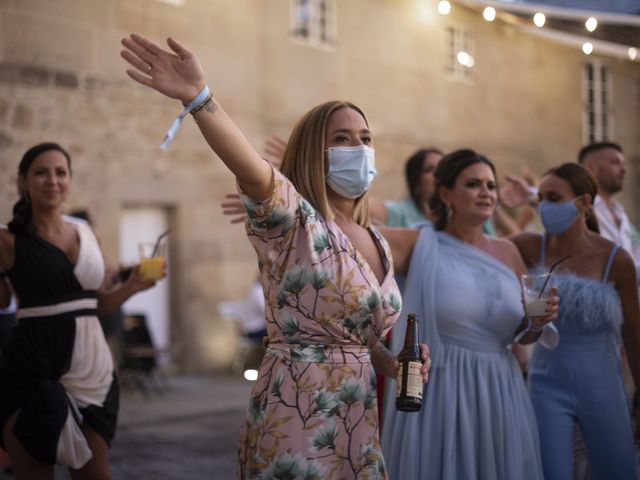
[{"x": 56, "y": 369}]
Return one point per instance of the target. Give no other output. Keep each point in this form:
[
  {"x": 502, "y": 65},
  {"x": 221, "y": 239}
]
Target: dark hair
[
  {"x": 581, "y": 182},
  {"x": 21, "y": 221},
  {"x": 413, "y": 172},
  {"x": 446, "y": 174},
  {"x": 82, "y": 214},
  {"x": 594, "y": 147}
]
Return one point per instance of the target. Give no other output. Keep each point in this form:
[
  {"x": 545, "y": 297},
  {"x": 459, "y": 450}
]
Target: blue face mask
[
  {"x": 557, "y": 217},
  {"x": 351, "y": 170}
]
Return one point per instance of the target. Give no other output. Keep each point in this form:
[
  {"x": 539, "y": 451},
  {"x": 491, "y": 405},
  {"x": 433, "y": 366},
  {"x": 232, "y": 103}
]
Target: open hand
[
  {"x": 515, "y": 192},
  {"x": 176, "y": 74},
  {"x": 274, "y": 147},
  {"x": 233, "y": 208},
  {"x": 137, "y": 284}
]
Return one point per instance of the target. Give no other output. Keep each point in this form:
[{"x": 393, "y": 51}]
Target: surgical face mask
[
  {"x": 557, "y": 217},
  {"x": 351, "y": 170}
]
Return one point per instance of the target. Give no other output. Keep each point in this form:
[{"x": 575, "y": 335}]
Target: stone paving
[{"x": 189, "y": 432}]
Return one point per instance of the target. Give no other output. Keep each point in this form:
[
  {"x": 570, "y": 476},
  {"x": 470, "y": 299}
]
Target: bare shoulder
[
  {"x": 507, "y": 252},
  {"x": 525, "y": 239},
  {"x": 401, "y": 242},
  {"x": 400, "y": 236},
  {"x": 528, "y": 245},
  {"x": 622, "y": 265}
]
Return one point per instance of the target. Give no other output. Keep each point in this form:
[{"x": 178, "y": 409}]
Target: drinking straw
[
  {"x": 157, "y": 245},
  {"x": 549, "y": 274}
]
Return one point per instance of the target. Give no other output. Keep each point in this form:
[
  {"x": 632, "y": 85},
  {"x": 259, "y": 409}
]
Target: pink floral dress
[{"x": 313, "y": 412}]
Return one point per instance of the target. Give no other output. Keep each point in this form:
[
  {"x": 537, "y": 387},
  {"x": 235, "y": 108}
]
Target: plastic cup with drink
[
  {"x": 536, "y": 290},
  {"x": 152, "y": 259}
]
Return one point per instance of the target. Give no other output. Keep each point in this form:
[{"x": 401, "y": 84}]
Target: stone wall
[{"x": 61, "y": 79}]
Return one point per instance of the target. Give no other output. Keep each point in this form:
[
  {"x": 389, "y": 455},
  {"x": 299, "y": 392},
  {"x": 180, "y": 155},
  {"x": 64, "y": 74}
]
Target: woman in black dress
[{"x": 58, "y": 391}]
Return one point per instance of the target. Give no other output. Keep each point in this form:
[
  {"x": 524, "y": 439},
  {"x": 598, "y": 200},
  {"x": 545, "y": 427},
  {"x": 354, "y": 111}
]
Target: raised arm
[
  {"x": 401, "y": 241},
  {"x": 378, "y": 211},
  {"x": 178, "y": 74}
]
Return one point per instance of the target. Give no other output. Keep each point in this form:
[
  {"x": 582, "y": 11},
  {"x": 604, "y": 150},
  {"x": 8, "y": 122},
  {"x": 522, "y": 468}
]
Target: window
[
  {"x": 597, "y": 115},
  {"x": 313, "y": 23},
  {"x": 460, "y": 53}
]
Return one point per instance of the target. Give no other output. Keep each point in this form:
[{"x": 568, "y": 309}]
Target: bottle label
[{"x": 414, "y": 380}]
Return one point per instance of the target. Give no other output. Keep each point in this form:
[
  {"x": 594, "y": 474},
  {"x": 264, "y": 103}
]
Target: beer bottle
[{"x": 409, "y": 382}]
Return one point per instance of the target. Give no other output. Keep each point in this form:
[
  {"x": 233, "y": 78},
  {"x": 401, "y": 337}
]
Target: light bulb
[
  {"x": 489, "y": 14},
  {"x": 591, "y": 24},
  {"x": 539, "y": 19},
  {"x": 444, "y": 7},
  {"x": 465, "y": 59},
  {"x": 633, "y": 53},
  {"x": 587, "y": 48}
]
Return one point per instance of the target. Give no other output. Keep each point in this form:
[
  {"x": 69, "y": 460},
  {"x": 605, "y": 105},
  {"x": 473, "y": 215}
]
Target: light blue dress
[
  {"x": 476, "y": 421},
  {"x": 580, "y": 381}
]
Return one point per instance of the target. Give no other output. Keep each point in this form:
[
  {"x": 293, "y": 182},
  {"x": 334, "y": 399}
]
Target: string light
[
  {"x": 591, "y": 24},
  {"x": 444, "y": 7},
  {"x": 465, "y": 59},
  {"x": 489, "y": 14},
  {"x": 539, "y": 19}
]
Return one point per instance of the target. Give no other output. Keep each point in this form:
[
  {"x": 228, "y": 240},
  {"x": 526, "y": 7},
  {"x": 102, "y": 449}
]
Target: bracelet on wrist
[
  {"x": 201, "y": 99},
  {"x": 202, "y": 105}
]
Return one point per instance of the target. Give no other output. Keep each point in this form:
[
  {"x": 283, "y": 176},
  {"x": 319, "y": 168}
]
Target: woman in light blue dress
[
  {"x": 580, "y": 381},
  {"x": 476, "y": 421}
]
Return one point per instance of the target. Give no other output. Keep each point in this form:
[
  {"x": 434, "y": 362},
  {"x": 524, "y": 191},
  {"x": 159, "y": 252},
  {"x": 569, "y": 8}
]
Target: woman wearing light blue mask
[
  {"x": 327, "y": 275},
  {"x": 580, "y": 380}
]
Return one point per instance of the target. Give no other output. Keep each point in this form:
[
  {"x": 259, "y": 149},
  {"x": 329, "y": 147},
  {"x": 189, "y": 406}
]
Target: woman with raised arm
[
  {"x": 580, "y": 381},
  {"x": 58, "y": 391},
  {"x": 327, "y": 277}
]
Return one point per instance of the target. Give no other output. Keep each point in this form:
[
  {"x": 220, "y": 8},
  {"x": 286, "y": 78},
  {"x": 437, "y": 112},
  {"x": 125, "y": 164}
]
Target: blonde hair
[{"x": 303, "y": 162}]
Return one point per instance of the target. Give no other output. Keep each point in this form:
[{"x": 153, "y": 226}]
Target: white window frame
[
  {"x": 597, "y": 100},
  {"x": 313, "y": 23},
  {"x": 459, "y": 39}
]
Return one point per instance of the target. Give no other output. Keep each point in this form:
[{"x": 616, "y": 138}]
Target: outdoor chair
[{"x": 140, "y": 358}]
